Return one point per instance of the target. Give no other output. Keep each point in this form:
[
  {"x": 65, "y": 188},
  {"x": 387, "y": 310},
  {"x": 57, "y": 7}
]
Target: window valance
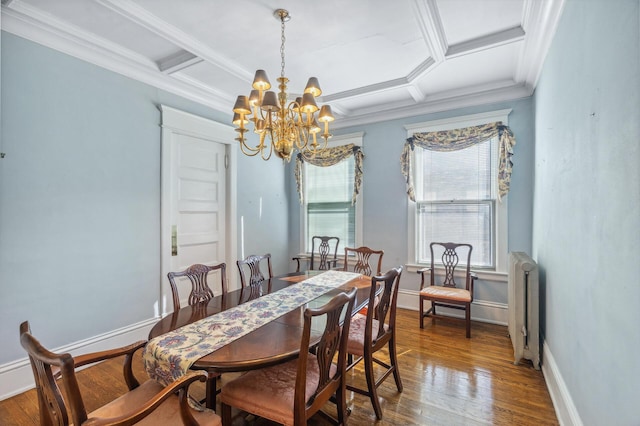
[
  {"x": 329, "y": 157},
  {"x": 457, "y": 139}
]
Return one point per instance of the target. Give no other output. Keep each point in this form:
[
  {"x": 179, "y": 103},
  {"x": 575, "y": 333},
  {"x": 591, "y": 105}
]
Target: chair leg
[
  {"x": 394, "y": 362},
  {"x": 341, "y": 405},
  {"x": 226, "y": 414},
  {"x": 211, "y": 391},
  {"x": 467, "y": 317},
  {"x": 421, "y": 313},
  {"x": 371, "y": 384}
]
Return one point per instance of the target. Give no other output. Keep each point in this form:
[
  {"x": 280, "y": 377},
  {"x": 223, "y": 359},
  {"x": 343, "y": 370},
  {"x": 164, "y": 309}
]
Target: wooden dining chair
[
  {"x": 292, "y": 392},
  {"x": 374, "y": 331},
  {"x": 251, "y": 264},
  {"x": 361, "y": 259},
  {"x": 448, "y": 293},
  {"x": 200, "y": 290},
  {"x": 148, "y": 403},
  {"x": 324, "y": 254}
]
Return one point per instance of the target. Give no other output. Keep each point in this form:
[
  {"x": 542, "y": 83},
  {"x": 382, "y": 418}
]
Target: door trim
[{"x": 177, "y": 122}]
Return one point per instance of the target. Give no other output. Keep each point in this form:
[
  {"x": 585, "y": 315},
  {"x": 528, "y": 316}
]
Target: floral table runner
[{"x": 169, "y": 356}]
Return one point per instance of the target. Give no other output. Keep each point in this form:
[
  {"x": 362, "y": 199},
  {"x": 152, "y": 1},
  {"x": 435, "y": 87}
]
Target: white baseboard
[
  {"x": 481, "y": 310},
  {"x": 16, "y": 376},
  {"x": 562, "y": 402}
]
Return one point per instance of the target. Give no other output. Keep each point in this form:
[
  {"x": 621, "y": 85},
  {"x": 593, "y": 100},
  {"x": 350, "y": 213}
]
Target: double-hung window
[
  {"x": 456, "y": 196},
  {"x": 327, "y": 208}
]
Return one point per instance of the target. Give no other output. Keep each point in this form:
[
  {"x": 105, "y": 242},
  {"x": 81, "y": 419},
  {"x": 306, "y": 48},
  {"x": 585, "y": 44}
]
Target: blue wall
[
  {"x": 80, "y": 197},
  {"x": 586, "y": 233}
]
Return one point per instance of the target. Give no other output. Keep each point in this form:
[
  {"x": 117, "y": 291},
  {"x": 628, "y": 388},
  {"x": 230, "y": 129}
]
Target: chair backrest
[
  {"x": 200, "y": 290},
  {"x": 324, "y": 252},
  {"x": 364, "y": 257},
  {"x": 252, "y": 263},
  {"x": 385, "y": 309},
  {"x": 334, "y": 340},
  {"x": 451, "y": 254},
  {"x": 53, "y": 407}
]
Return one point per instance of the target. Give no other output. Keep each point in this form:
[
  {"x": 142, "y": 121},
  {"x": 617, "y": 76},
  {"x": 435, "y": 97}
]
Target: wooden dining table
[{"x": 273, "y": 343}]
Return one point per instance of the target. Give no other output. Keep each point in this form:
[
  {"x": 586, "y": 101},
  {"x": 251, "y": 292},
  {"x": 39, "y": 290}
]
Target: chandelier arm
[{"x": 248, "y": 151}]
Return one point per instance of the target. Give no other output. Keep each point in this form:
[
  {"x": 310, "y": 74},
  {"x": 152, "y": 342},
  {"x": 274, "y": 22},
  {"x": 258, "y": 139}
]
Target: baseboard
[
  {"x": 16, "y": 376},
  {"x": 562, "y": 402},
  {"x": 481, "y": 310}
]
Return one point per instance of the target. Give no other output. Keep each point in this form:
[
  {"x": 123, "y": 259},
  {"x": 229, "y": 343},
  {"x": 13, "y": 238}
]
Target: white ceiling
[{"x": 375, "y": 59}]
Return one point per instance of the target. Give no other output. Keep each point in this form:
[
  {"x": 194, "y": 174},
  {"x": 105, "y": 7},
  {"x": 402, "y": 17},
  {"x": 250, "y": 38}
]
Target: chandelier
[{"x": 288, "y": 126}]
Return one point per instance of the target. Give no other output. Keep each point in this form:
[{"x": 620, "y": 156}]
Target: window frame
[
  {"x": 351, "y": 138},
  {"x": 500, "y": 220}
]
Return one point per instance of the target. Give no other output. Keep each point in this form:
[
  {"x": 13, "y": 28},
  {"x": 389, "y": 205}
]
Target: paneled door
[{"x": 194, "y": 198}]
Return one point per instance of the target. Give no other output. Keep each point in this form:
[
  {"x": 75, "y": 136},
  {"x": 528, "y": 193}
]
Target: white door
[{"x": 195, "y": 195}]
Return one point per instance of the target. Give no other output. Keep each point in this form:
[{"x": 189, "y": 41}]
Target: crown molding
[
  {"x": 34, "y": 26},
  {"x": 515, "y": 91},
  {"x": 540, "y": 21},
  {"x": 143, "y": 18},
  {"x": 500, "y": 38},
  {"x": 428, "y": 18}
]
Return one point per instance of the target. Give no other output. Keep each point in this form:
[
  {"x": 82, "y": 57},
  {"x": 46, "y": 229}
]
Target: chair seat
[
  {"x": 271, "y": 390},
  {"x": 168, "y": 413},
  {"x": 454, "y": 294},
  {"x": 355, "y": 346}
]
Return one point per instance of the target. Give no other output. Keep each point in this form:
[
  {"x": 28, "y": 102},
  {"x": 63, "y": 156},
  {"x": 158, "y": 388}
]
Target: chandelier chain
[{"x": 282, "y": 40}]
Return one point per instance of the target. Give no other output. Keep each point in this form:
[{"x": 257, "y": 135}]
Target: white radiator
[{"x": 524, "y": 320}]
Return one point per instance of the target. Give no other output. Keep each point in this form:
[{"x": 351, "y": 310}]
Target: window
[
  {"x": 456, "y": 197},
  {"x": 327, "y": 208}
]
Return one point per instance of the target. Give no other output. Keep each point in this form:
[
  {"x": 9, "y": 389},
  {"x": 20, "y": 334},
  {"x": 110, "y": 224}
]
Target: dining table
[{"x": 277, "y": 340}]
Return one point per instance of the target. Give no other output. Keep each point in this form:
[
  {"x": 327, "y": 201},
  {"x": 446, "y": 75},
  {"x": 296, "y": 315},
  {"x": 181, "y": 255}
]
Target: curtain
[
  {"x": 328, "y": 157},
  {"x": 457, "y": 139}
]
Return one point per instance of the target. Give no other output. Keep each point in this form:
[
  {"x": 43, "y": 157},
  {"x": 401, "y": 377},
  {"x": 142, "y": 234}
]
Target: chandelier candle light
[{"x": 289, "y": 126}]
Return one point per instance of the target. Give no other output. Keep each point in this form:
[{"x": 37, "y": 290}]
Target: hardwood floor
[{"x": 448, "y": 380}]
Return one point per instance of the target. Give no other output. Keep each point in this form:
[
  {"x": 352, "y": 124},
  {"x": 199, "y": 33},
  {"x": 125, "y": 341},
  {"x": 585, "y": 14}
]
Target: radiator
[{"x": 524, "y": 308}]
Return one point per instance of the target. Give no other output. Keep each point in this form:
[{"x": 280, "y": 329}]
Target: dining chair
[
  {"x": 148, "y": 403},
  {"x": 200, "y": 290},
  {"x": 290, "y": 393},
  {"x": 448, "y": 293},
  {"x": 361, "y": 259},
  {"x": 374, "y": 331},
  {"x": 324, "y": 254},
  {"x": 252, "y": 264}
]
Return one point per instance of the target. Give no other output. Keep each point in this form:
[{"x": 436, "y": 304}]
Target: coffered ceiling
[{"x": 375, "y": 59}]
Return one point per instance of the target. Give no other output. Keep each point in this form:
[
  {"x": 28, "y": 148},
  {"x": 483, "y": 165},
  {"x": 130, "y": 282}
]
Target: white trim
[
  {"x": 459, "y": 121},
  {"x": 481, "y": 310},
  {"x": 17, "y": 377},
  {"x": 501, "y": 214},
  {"x": 566, "y": 410}
]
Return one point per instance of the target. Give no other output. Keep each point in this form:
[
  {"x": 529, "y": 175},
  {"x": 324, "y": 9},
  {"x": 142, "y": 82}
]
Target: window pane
[
  {"x": 470, "y": 223},
  {"x": 328, "y": 192},
  {"x": 329, "y": 184},
  {"x": 454, "y": 175},
  {"x": 333, "y": 220}
]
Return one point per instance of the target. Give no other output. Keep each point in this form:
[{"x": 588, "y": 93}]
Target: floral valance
[
  {"x": 328, "y": 157},
  {"x": 457, "y": 139}
]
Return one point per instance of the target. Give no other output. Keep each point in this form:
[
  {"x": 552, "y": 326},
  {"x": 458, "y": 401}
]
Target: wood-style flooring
[{"x": 448, "y": 380}]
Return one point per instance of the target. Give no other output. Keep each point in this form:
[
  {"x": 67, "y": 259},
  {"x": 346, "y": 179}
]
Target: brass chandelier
[{"x": 288, "y": 126}]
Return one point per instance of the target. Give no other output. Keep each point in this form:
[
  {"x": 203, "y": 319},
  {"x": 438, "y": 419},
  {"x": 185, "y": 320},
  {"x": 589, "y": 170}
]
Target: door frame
[{"x": 177, "y": 122}]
